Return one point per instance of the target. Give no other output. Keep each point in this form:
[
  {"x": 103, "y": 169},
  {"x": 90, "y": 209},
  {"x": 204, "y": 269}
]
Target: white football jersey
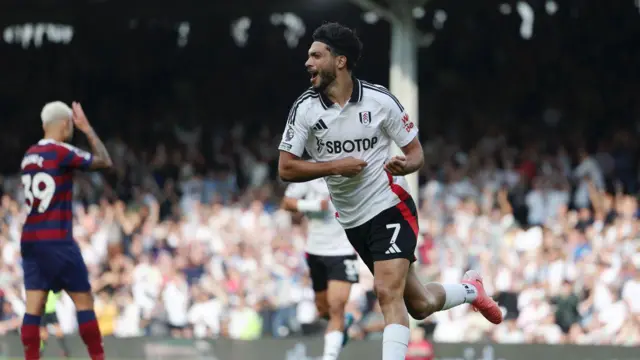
[
  {"x": 364, "y": 129},
  {"x": 325, "y": 235}
]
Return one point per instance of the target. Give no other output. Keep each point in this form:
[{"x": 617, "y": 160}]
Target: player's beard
[{"x": 326, "y": 77}]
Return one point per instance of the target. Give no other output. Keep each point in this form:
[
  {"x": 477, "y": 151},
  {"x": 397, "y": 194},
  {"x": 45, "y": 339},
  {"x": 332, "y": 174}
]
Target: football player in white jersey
[
  {"x": 333, "y": 263},
  {"x": 347, "y": 126}
]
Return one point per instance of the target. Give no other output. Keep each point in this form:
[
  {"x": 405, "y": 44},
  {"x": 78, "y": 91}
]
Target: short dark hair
[{"x": 341, "y": 41}]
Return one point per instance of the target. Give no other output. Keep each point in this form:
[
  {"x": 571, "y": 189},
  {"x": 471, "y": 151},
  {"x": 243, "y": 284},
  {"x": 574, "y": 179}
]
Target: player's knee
[
  {"x": 336, "y": 307},
  {"x": 82, "y": 301},
  {"x": 387, "y": 292}
]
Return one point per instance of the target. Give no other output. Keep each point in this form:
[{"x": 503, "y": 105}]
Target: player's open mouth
[{"x": 314, "y": 75}]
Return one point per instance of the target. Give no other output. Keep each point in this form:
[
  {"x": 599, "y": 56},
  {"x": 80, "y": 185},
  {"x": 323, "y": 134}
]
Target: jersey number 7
[{"x": 40, "y": 186}]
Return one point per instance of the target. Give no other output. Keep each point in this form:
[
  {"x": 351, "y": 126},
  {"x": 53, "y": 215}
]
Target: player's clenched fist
[
  {"x": 350, "y": 166},
  {"x": 396, "y": 166}
]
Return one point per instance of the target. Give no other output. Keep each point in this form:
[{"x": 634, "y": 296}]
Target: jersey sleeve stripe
[
  {"x": 294, "y": 109},
  {"x": 296, "y": 103},
  {"x": 382, "y": 90}
]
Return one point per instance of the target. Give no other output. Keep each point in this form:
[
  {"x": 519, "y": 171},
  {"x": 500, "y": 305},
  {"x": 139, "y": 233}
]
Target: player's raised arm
[
  {"x": 100, "y": 158},
  {"x": 405, "y": 134}
]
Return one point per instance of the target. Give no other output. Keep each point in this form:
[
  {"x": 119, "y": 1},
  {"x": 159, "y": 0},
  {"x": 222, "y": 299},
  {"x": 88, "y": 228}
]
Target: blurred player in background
[
  {"x": 347, "y": 126},
  {"x": 51, "y": 258},
  {"x": 333, "y": 263},
  {"x": 50, "y": 318}
]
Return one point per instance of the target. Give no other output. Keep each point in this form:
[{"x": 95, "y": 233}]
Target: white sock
[
  {"x": 395, "y": 341},
  {"x": 458, "y": 294},
  {"x": 332, "y": 345}
]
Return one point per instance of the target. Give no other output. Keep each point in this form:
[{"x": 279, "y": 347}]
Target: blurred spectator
[
  {"x": 106, "y": 313},
  {"x": 244, "y": 322},
  {"x": 566, "y": 307},
  {"x": 371, "y": 325},
  {"x": 419, "y": 347}
]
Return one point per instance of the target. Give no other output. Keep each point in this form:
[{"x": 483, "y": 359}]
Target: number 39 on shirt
[{"x": 39, "y": 186}]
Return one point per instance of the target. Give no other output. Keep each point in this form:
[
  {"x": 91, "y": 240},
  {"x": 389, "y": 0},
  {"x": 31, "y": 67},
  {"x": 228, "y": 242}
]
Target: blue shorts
[{"x": 54, "y": 266}]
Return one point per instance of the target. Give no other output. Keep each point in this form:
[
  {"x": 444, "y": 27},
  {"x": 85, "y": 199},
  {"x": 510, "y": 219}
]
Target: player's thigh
[
  {"x": 392, "y": 245},
  {"x": 359, "y": 239},
  {"x": 338, "y": 295},
  {"x": 390, "y": 278},
  {"x": 83, "y": 300}
]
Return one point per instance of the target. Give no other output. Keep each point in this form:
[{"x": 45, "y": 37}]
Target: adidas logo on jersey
[
  {"x": 393, "y": 249},
  {"x": 320, "y": 125}
]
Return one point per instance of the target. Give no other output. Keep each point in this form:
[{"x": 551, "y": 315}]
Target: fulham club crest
[{"x": 365, "y": 118}]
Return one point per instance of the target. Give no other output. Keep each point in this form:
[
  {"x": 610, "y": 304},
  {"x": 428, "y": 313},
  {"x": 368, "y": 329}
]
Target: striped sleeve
[
  {"x": 296, "y": 131},
  {"x": 74, "y": 158}
]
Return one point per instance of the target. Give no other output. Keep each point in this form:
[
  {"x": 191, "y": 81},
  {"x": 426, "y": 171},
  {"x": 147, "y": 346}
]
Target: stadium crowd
[{"x": 177, "y": 248}]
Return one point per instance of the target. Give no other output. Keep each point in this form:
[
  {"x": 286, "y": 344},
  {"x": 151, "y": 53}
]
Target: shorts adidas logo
[{"x": 393, "y": 249}]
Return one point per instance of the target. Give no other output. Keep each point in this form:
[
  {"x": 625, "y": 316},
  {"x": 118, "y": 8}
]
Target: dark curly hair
[{"x": 341, "y": 41}]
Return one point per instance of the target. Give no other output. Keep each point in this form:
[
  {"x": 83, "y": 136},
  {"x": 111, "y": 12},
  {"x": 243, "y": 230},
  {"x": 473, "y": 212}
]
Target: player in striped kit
[{"x": 51, "y": 259}]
